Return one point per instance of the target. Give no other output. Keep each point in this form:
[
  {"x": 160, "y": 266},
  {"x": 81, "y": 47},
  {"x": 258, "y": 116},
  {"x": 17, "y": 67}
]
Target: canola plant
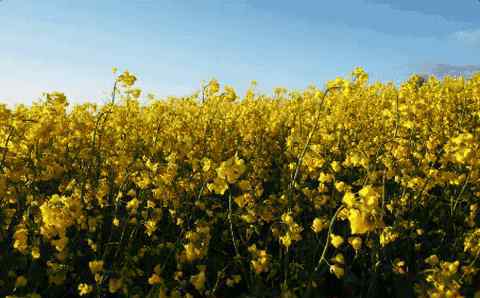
[{"x": 358, "y": 190}]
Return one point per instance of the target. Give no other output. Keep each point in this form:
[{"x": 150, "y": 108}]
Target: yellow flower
[
  {"x": 359, "y": 223},
  {"x": 150, "y": 227},
  {"x": 198, "y": 280},
  {"x": 355, "y": 242},
  {"x": 318, "y": 225},
  {"x": 432, "y": 260},
  {"x": 340, "y": 186},
  {"x": 21, "y": 239},
  {"x": 260, "y": 265},
  {"x": 213, "y": 86},
  {"x": 252, "y": 249},
  {"x": 230, "y": 94},
  {"x": 325, "y": 178},
  {"x": 35, "y": 253},
  {"x": 286, "y": 240},
  {"x": 453, "y": 267},
  {"x": 244, "y": 185},
  {"x": 337, "y": 270},
  {"x": 133, "y": 204},
  {"x": 219, "y": 186},
  {"x": 349, "y": 199},
  {"x": 92, "y": 244},
  {"x": 154, "y": 279},
  {"x": 339, "y": 259},
  {"x": 84, "y": 289},
  {"x": 240, "y": 201},
  {"x": 399, "y": 266},
  {"x": 207, "y": 165},
  {"x": 261, "y": 259},
  {"x": 287, "y": 218},
  {"x": 95, "y": 266},
  {"x": 234, "y": 280},
  {"x": 114, "y": 284},
  {"x": 127, "y": 79},
  {"x": 369, "y": 195},
  {"x": 20, "y": 282},
  {"x": 387, "y": 236},
  {"x": 60, "y": 244},
  {"x": 336, "y": 240},
  {"x": 191, "y": 252},
  {"x": 132, "y": 192},
  {"x": 336, "y": 166}
]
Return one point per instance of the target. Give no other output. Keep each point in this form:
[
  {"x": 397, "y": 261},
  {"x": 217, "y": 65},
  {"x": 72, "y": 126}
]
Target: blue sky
[{"x": 172, "y": 45}]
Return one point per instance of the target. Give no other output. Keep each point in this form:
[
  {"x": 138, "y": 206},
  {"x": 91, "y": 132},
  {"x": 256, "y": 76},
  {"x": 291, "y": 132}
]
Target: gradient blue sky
[{"x": 172, "y": 45}]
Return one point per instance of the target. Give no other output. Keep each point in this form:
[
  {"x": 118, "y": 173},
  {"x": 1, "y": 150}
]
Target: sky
[{"x": 173, "y": 45}]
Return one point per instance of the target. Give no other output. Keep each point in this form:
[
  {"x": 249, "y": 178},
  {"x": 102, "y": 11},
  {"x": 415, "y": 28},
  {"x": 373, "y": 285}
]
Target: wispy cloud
[
  {"x": 471, "y": 37},
  {"x": 442, "y": 70}
]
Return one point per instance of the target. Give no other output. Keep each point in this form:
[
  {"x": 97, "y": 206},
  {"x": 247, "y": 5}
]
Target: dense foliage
[{"x": 360, "y": 190}]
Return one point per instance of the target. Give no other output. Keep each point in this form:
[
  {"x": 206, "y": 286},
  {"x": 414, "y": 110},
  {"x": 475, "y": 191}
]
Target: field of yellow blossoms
[{"x": 356, "y": 190}]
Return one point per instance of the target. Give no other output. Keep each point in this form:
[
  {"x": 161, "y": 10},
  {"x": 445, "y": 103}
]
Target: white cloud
[
  {"x": 441, "y": 70},
  {"x": 468, "y": 36}
]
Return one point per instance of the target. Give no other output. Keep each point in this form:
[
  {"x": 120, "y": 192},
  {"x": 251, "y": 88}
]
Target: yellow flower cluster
[
  {"x": 58, "y": 214},
  {"x": 260, "y": 262},
  {"x": 293, "y": 231},
  {"x": 301, "y": 194},
  {"x": 363, "y": 212},
  {"x": 127, "y": 79},
  {"x": 21, "y": 239},
  {"x": 197, "y": 246},
  {"x": 198, "y": 280},
  {"x": 227, "y": 173},
  {"x": 441, "y": 279}
]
